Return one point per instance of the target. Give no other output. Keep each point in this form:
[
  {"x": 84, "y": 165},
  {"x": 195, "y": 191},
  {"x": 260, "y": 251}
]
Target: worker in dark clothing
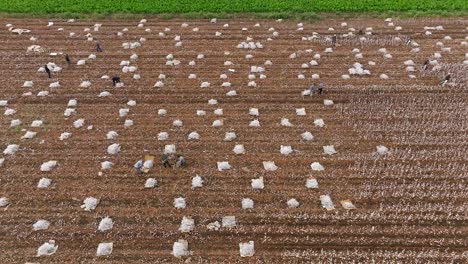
[
  {"x": 115, "y": 80},
  {"x": 180, "y": 161},
  {"x": 67, "y": 58},
  {"x": 446, "y": 79},
  {"x": 48, "y": 71},
  {"x": 165, "y": 161},
  {"x": 409, "y": 41},
  {"x": 320, "y": 88},
  {"x": 334, "y": 40},
  {"x": 98, "y": 47},
  {"x": 426, "y": 63},
  {"x": 361, "y": 32}
]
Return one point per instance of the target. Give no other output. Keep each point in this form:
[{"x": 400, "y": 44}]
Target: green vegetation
[{"x": 203, "y": 8}]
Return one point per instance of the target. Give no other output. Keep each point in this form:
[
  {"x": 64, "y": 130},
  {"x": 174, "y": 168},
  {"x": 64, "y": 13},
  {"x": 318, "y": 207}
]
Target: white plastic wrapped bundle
[
  {"x": 15, "y": 122},
  {"x": 228, "y": 221},
  {"x": 72, "y": 103},
  {"x": 148, "y": 164},
  {"x": 179, "y": 203},
  {"x": 159, "y": 84},
  {"x": 328, "y": 50},
  {"x": 383, "y": 76},
  {"x": 44, "y": 183},
  {"x": 54, "y": 85},
  {"x": 177, "y": 123},
  {"x": 47, "y": 249},
  {"x": 169, "y": 149},
  {"x": 36, "y": 123},
  {"x": 104, "y": 249},
  {"x": 371, "y": 63},
  {"x": 41, "y": 225},
  {"x": 68, "y": 112},
  {"x": 197, "y": 182},
  {"x": 311, "y": 183},
  {"x": 345, "y": 77},
  {"x": 285, "y": 122},
  {"x": 410, "y": 69},
  {"x": 65, "y": 135},
  {"x": 257, "y": 183},
  {"x": 239, "y": 149},
  {"x": 205, "y": 85},
  {"x": 218, "y": 111},
  {"x": 388, "y": 56},
  {"x": 151, "y": 183},
  {"x": 229, "y": 136},
  {"x": 329, "y": 150},
  {"x": 4, "y": 201},
  {"x": 112, "y": 135},
  {"x": 186, "y": 225},
  {"x": 212, "y": 101},
  {"x": 78, "y": 123},
  {"x": 180, "y": 249},
  {"x": 85, "y": 84},
  {"x": 328, "y": 102},
  {"x": 292, "y": 203},
  {"x": 269, "y": 166},
  {"x": 300, "y": 111},
  {"x": 313, "y": 63},
  {"x": 304, "y": 65},
  {"x": 231, "y": 93},
  {"x": 192, "y": 76},
  {"x": 11, "y": 149},
  {"x": 9, "y": 111},
  {"x": 327, "y": 202},
  {"x": 113, "y": 149},
  {"x": 105, "y": 224},
  {"x": 194, "y": 136},
  {"x": 254, "y": 123},
  {"x": 286, "y": 150},
  {"x": 89, "y": 204},
  {"x": 223, "y": 165},
  {"x": 3, "y": 102},
  {"x": 319, "y": 122},
  {"x": 106, "y": 165},
  {"x": 382, "y": 150},
  {"x": 247, "y": 249},
  {"x": 104, "y": 94},
  {"x": 307, "y": 136},
  {"x": 162, "y": 112},
  {"x": 217, "y": 123},
  {"x": 28, "y": 84},
  {"x": 123, "y": 112},
  {"x": 301, "y": 76},
  {"x": 409, "y": 63},
  {"x": 252, "y": 84},
  {"x": 49, "y": 165},
  {"x": 201, "y": 113},
  {"x": 253, "y": 112},
  {"x": 247, "y": 203},
  {"x": 317, "y": 166},
  {"x": 131, "y": 103}
]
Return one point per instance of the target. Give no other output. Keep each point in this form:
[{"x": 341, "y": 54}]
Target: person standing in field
[
  {"x": 426, "y": 63},
  {"x": 446, "y": 79},
  {"x": 320, "y": 88},
  {"x": 180, "y": 161},
  {"x": 138, "y": 167},
  {"x": 98, "y": 47},
  {"x": 48, "y": 71},
  {"x": 312, "y": 88},
  {"x": 334, "y": 40},
  {"x": 115, "y": 80},
  {"x": 67, "y": 59},
  {"x": 165, "y": 160}
]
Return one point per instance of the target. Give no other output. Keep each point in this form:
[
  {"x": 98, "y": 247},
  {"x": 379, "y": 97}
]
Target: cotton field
[{"x": 368, "y": 165}]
